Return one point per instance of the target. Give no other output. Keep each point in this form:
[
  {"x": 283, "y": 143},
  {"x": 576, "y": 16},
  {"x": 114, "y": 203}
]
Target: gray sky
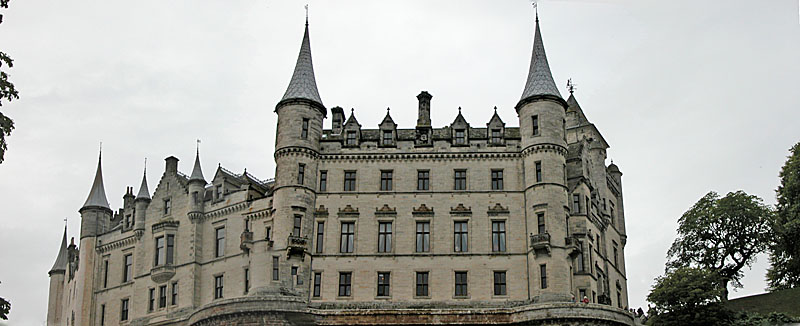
[{"x": 692, "y": 96}]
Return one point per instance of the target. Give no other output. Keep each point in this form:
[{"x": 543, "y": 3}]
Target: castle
[{"x": 462, "y": 224}]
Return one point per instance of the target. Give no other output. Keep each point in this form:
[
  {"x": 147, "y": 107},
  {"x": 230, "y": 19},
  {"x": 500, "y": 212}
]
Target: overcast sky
[{"x": 693, "y": 96}]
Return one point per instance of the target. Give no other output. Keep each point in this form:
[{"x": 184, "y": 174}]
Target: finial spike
[
  {"x": 306, "y": 14},
  {"x": 536, "y": 9}
]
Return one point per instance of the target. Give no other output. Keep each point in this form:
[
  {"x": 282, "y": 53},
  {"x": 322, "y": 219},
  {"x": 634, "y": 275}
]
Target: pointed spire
[
  {"x": 144, "y": 192},
  {"x": 573, "y": 106},
  {"x": 97, "y": 195},
  {"x": 61, "y": 259},
  {"x": 540, "y": 80},
  {"x": 197, "y": 171},
  {"x": 387, "y": 118},
  {"x": 303, "y": 84}
]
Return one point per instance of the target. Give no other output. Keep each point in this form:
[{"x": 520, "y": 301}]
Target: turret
[
  {"x": 300, "y": 115},
  {"x": 541, "y": 111},
  {"x": 57, "y": 274},
  {"x": 616, "y": 175},
  {"x": 141, "y": 203},
  {"x": 197, "y": 185},
  {"x": 95, "y": 215}
]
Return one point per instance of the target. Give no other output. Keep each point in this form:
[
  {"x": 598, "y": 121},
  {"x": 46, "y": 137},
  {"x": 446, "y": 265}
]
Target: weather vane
[
  {"x": 571, "y": 86},
  {"x": 536, "y": 9},
  {"x": 306, "y": 14}
]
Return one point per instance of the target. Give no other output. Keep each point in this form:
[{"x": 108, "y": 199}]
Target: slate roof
[
  {"x": 197, "y": 171},
  {"x": 303, "y": 84},
  {"x": 540, "y": 80},
  {"x": 97, "y": 195},
  {"x": 61, "y": 259},
  {"x": 144, "y": 192}
]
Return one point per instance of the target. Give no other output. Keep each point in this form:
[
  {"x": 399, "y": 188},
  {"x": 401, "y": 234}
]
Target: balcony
[
  {"x": 572, "y": 245},
  {"x": 162, "y": 273},
  {"x": 246, "y": 241},
  {"x": 540, "y": 243},
  {"x": 297, "y": 245}
]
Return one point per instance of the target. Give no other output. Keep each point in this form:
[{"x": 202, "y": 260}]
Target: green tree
[
  {"x": 688, "y": 296},
  {"x": 7, "y": 93},
  {"x": 723, "y": 235},
  {"x": 5, "y": 307},
  {"x": 784, "y": 272}
]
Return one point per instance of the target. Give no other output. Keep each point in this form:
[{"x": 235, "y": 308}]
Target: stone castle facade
[{"x": 463, "y": 224}]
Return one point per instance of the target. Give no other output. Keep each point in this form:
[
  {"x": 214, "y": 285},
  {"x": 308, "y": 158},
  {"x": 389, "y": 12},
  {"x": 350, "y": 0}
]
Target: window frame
[
  {"x": 301, "y": 173},
  {"x": 423, "y": 180},
  {"x": 127, "y": 268},
  {"x": 422, "y": 237},
  {"x": 422, "y": 284},
  {"x": 317, "y": 288},
  {"x": 384, "y": 284},
  {"x": 500, "y": 286},
  {"x": 543, "y": 276},
  {"x": 219, "y": 242},
  {"x": 319, "y": 244},
  {"x": 461, "y": 284},
  {"x": 345, "y": 284},
  {"x": 539, "y": 175},
  {"x": 347, "y": 237},
  {"x": 305, "y": 127},
  {"x": 350, "y": 180},
  {"x": 496, "y": 177},
  {"x": 499, "y": 237},
  {"x": 460, "y": 137},
  {"x": 460, "y": 179},
  {"x": 461, "y": 236},
  {"x": 323, "y": 180},
  {"x": 387, "y": 180},
  {"x": 124, "y": 309},
  {"x": 535, "y": 125},
  {"x": 219, "y": 286},
  {"x": 385, "y": 236}
]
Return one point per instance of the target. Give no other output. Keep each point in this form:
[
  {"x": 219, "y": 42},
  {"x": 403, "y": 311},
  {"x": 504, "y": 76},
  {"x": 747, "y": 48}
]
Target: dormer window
[
  {"x": 461, "y": 137},
  {"x": 219, "y": 192},
  {"x": 351, "y": 138},
  {"x": 497, "y": 136},
  {"x": 387, "y": 138}
]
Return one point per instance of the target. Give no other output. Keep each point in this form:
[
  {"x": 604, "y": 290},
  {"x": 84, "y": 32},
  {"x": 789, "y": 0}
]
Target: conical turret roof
[
  {"x": 97, "y": 195},
  {"x": 144, "y": 192},
  {"x": 540, "y": 80},
  {"x": 303, "y": 84},
  {"x": 573, "y": 106},
  {"x": 197, "y": 171},
  {"x": 61, "y": 259}
]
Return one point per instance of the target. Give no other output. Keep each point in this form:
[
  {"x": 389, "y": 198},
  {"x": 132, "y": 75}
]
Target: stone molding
[
  {"x": 124, "y": 242},
  {"x": 417, "y": 156}
]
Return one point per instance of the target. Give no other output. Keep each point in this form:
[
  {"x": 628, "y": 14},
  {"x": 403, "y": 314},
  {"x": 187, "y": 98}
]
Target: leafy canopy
[
  {"x": 723, "y": 235},
  {"x": 7, "y": 93},
  {"x": 687, "y": 296},
  {"x": 784, "y": 272}
]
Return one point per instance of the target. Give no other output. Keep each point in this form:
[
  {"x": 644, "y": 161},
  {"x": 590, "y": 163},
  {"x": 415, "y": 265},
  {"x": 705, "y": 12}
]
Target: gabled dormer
[
  {"x": 459, "y": 130},
  {"x": 388, "y": 130},
  {"x": 352, "y": 131},
  {"x": 495, "y": 130}
]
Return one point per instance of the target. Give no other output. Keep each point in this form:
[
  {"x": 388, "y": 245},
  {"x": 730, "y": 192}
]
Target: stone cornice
[
  {"x": 256, "y": 215},
  {"x": 296, "y": 151},
  {"x": 124, "y": 242},
  {"x": 220, "y": 212},
  {"x": 417, "y": 156},
  {"x": 545, "y": 147}
]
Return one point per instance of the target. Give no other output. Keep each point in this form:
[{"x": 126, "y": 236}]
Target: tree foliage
[
  {"x": 7, "y": 93},
  {"x": 784, "y": 272},
  {"x": 5, "y": 307},
  {"x": 688, "y": 296},
  {"x": 723, "y": 235}
]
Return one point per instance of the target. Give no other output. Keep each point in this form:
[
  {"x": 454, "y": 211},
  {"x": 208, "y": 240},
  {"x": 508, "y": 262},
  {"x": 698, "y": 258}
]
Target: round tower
[
  {"x": 300, "y": 115},
  {"x": 542, "y": 114},
  {"x": 197, "y": 186}
]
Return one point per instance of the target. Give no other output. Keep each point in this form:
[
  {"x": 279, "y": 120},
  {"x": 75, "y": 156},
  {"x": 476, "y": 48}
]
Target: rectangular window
[
  {"x": 576, "y": 203},
  {"x": 500, "y": 283},
  {"x": 460, "y": 137},
  {"x": 304, "y": 132},
  {"x": 496, "y": 136},
  {"x": 387, "y": 138},
  {"x": 461, "y": 284},
  {"x": 105, "y": 273},
  {"x": 174, "y": 299},
  {"x": 298, "y": 225},
  {"x": 102, "y": 314},
  {"x": 323, "y": 180},
  {"x": 616, "y": 253},
  {"x": 460, "y": 237},
  {"x": 538, "y": 171},
  {"x": 268, "y": 233},
  {"x": 351, "y": 138},
  {"x": 348, "y": 235},
  {"x": 535, "y": 120},
  {"x": 344, "y": 283},
  {"x": 460, "y": 180},
  {"x": 385, "y": 237},
  {"x": 423, "y": 179},
  {"x": 317, "y": 284},
  {"x": 151, "y": 301},
  {"x": 383, "y": 284},
  {"x": 386, "y": 180},
  {"x": 170, "y": 249},
  {"x": 218, "y": 287},
  {"x": 162, "y": 296},
  {"x": 301, "y": 173},
  {"x": 423, "y": 236},
  {"x": 540, "y": 223},
  {"x": 294, "y": 275},
  {"x": 498, "y": 236},
  {"x": 582, "y": 294},
  {"x": 320, "y": 236},
  {"x": 127, "y": 271},
  {"x": 160, "y": 256},
  {"x": 543, "y": 275},
  {"x": 497, "y": 179},
  {"x": 123, "y": 309},
  {"x": 349, "y": 180},
  {"x": 422, "y": 284},
  {"x": 275, "y": 268},
  {"x": 219, "y": 192},
  {"x": 246, "y": 280},
  {"x": 219, "y": 244},
  {"x": 167, "y": 206}
]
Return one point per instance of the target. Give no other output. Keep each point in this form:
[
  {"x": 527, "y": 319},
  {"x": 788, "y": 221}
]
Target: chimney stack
[{"x": 424, "y": 118}]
